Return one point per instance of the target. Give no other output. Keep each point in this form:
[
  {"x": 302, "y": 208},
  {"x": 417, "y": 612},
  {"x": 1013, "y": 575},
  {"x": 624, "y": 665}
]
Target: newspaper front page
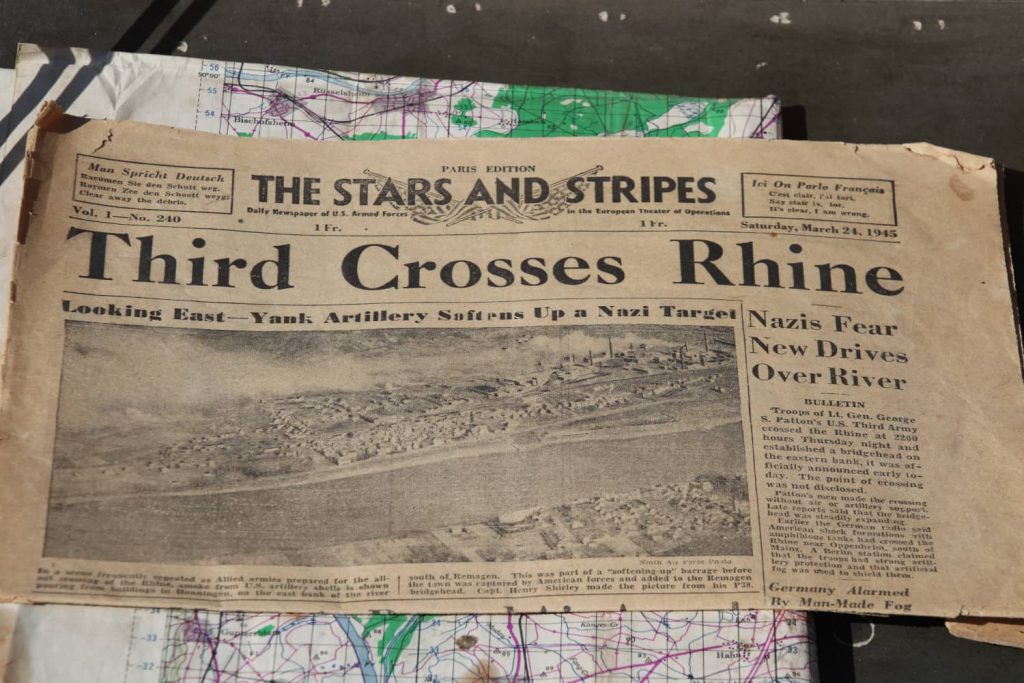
[{"x": 538, "y": 374}]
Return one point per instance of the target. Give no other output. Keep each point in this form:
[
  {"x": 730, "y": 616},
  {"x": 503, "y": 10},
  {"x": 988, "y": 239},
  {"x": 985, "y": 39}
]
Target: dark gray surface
[
  {"x": 858, "y": 649},
  {"x": 859, "y": 70},
  {"x": 855, "y": 71}
]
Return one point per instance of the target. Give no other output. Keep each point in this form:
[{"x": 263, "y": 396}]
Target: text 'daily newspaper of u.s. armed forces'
[{"x": 558, "y": 374}]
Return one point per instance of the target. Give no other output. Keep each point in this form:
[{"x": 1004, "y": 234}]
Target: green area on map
[
  {"x": 547, "y": 112},
  {"x": 398, "y": 632}
]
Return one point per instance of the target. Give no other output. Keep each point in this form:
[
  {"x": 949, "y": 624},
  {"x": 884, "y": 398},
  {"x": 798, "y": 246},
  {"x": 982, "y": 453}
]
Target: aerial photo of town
[{"x": 410, "y": 445}]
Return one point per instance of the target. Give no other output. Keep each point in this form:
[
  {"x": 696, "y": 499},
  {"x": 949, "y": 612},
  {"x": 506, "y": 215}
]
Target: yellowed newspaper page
[{"x": 462, "y": 375}]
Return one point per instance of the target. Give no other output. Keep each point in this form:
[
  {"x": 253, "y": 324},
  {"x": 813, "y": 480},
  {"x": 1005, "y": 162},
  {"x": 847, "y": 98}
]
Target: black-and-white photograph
[{"x": 398, "y": 445}]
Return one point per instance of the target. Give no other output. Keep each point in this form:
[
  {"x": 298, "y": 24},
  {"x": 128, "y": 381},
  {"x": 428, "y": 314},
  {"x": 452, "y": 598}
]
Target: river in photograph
[{"x": 195, "y": 527}]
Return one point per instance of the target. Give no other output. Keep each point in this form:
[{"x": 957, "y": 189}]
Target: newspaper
[{"x": 535, "y": 374}]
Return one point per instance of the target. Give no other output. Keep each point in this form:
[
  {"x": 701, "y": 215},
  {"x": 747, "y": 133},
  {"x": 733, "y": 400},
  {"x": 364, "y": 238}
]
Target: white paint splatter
[
  {"x": 760, "y": 65},
  {"x": 325, "y": 3},
  {"x": 866, "y": 641},
  {"x": 622, "y": 16},
  {"x": 603, "y": 16},
  {"x": 477, "y": 6},
  {"x": 450, "y": 9},
  {"x": 942, "y": 24},
  {"x": 871, "y": 624},
  {"x": 181, "y": 47},
  {"x": 298, "y": 3},
  {"x": 918, "y": 25},
  {"x": 781, "y": 18}
]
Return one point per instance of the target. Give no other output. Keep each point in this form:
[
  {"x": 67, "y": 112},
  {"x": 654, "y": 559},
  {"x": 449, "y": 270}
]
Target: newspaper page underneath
[{"x": 547, "y": 374}]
